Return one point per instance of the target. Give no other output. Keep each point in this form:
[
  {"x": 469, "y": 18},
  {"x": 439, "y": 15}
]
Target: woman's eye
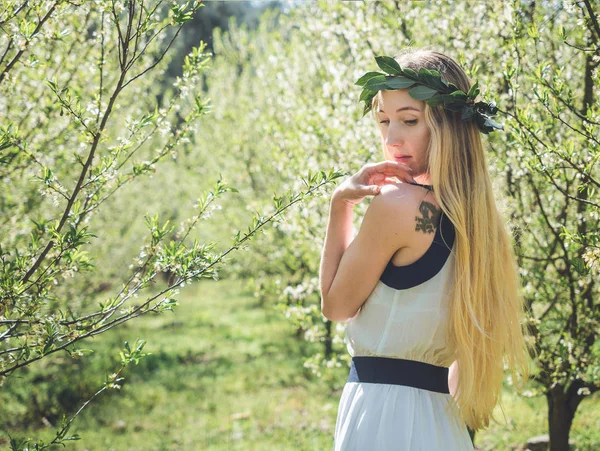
[{"x": 411, "y": 122}]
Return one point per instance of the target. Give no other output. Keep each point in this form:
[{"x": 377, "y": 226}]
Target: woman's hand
[{"x": 369, "y": 180}]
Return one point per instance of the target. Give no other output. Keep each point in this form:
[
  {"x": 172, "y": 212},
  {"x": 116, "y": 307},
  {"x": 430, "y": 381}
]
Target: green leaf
[
  {"x": 580, "y": 266},
  {"x": 460, "y": 95},
  {"x": 562, "y": 34},
  {"x": 5, "y": 143},
  {"x": 454, "y": 106},
  {"x": 467, "y": 113},
  {"x": 532, "y": 31},
  {"x": 436, "y": 100},
  {"x": 388, "y": 64},
  {"x": 422, "y": 92},
  {"x": 432, "y": 79},
  {"x": 400, "y": 82},
  {"x": 72, "y": 437},
  {"x": 366, "y": 77},
  {"x": 474, "y": 91},
  {"x": 410, "y": 73},
  {"x": 366, "y": 95},
  {"x": 53, "y": 85},
  {"x": 376, "y": 83}
]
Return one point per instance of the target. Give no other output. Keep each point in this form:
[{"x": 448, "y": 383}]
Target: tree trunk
[{"x": 561, "y": 411}]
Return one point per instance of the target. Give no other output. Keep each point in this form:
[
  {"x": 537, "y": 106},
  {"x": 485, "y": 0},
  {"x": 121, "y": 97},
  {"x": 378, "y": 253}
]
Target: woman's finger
[
  {"x": 371, "y": 190},
  {"x": 388, "y": 168},
  {"x": 383, "y": 172},
  {"x": 391, "y": 165}
]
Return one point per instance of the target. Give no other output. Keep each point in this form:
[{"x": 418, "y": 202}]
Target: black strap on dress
[{"x": 429, "y": 187}]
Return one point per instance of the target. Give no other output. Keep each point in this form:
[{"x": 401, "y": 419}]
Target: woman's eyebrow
[{"x": 401, "y": 109}]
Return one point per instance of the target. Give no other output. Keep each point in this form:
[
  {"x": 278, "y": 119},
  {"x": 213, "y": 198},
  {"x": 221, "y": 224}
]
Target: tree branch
[{"x": 16, "y": 58}]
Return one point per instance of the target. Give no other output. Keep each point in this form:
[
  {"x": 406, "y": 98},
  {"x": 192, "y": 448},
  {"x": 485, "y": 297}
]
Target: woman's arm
[
  {"x": 453, "y": 377},
  {"x": 339, "y": 235},
  {"x": 351, "y": 267}
]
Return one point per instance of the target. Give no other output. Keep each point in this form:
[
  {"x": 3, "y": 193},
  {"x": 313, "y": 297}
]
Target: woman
[{"x": 429, "y": 287}]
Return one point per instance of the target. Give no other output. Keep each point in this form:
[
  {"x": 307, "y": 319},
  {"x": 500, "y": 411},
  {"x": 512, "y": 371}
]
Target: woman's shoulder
[
  {"x": 403, "y": 195},
  {"x": 400, "y": 201}
]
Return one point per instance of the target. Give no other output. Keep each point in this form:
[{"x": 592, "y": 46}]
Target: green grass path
[{"x": 225, "y": 374}]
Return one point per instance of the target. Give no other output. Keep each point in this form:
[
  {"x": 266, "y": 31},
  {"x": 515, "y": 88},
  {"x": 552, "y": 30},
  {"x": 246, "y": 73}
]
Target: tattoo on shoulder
[{"x": 431, "y": 217}]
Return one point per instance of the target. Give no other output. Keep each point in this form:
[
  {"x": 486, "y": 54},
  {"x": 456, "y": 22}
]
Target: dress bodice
[{"x": 406, "y": 314}]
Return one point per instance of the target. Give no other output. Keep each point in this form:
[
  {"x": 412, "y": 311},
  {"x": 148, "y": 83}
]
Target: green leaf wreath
[{"x": 428, "y": 85}]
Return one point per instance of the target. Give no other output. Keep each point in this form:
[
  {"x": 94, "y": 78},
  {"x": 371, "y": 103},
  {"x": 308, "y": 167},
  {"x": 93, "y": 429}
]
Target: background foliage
[{"x": 283, "y": 103}]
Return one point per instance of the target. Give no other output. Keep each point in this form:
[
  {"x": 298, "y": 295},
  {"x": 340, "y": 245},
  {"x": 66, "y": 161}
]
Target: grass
[{"x": 226, "y": 374}]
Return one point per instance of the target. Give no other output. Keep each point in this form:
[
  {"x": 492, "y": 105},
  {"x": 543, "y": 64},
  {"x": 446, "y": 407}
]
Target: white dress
[{"x": 404, "y": 317}]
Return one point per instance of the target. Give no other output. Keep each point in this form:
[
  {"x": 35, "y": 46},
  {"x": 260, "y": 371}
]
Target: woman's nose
[{"x": 394, "y": 138}]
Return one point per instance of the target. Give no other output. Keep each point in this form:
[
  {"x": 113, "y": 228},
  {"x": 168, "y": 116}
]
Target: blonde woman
[{"x": 429, "y": 287}]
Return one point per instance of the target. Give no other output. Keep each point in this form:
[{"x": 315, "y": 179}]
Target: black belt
[{"x": 386, "y": 370}]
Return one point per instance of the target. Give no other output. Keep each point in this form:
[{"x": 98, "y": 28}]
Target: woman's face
[{"x": 404, "y": 133}]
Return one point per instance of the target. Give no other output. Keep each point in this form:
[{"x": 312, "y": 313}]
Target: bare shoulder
[
  {"x": 395, "y": 203},
  {"x": 402, "y": 196},
  {"x": 409, "y": 206}
]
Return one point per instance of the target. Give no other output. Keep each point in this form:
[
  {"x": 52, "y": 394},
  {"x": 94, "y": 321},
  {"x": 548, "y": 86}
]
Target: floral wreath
[{"x": 428, "y": 85}]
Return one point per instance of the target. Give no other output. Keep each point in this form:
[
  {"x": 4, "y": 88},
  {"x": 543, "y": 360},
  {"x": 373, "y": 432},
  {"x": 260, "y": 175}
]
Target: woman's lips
[{"x": 402, "y": 157}]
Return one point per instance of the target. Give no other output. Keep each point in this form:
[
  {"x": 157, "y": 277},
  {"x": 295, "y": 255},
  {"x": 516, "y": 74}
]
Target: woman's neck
[{"x": 423, "y": 179}]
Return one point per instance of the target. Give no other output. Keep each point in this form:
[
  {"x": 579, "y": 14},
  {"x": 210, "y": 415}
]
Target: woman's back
[
  {"x": 406, "y": 314},
  {"x": 405, "y": 317}
]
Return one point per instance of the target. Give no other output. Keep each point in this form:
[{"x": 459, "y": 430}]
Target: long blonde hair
[{"x": 487, "y": 317}]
